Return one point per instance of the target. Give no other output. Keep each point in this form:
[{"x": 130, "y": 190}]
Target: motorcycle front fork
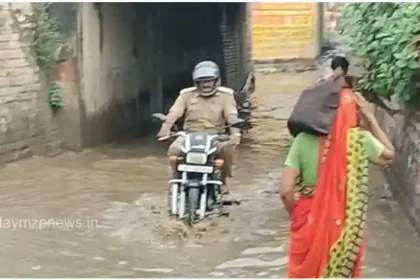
[{"x": 177, "y": 197}]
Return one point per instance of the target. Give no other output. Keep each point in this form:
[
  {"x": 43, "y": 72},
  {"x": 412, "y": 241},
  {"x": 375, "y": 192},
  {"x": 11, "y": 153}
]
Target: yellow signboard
[{"x": 283, "y": 30}]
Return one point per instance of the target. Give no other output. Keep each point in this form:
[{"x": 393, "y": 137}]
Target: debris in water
[
  {"x": 38, "y": 267},
  {"x": 266, "y": 192},
  {"x": 262, "y": 273},
  {"x": 155, "y": 270},
  {"x": 122, "y": 262},
  {"x": 266, "y": 232},
  {"x": 66, "y": 253},
  {"x": 216, "y": 274},
  {"x": 276, "y": 268}
]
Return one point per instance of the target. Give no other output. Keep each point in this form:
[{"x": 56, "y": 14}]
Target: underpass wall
[
  {"x": 27, "y": 125},
  {"x": 68, "y": 118},
  {"x": 236, "y": 35},
  {"x": 110, "y": 80}
]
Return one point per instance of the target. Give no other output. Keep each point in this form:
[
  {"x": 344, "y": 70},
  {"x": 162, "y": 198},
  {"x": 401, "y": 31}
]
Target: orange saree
[{"x": 325, "y": 228}]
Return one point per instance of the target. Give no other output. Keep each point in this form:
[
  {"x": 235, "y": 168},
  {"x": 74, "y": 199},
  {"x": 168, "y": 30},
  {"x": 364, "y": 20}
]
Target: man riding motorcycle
[{"x": 207, "y": 107}]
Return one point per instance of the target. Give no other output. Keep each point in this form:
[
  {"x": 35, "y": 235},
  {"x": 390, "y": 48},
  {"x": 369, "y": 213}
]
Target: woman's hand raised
[{"x": 363, "y": 107}]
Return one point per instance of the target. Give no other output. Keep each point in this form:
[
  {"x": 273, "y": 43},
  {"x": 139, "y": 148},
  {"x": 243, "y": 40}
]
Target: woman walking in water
[{"x": 324, "y": 189}]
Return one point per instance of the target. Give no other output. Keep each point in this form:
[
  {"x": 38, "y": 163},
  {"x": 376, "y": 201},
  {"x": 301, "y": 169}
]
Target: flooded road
[{"x": 103, "y": 213}]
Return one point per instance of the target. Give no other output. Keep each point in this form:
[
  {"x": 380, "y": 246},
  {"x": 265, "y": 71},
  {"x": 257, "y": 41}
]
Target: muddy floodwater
[{"x": 102, "y": 213}]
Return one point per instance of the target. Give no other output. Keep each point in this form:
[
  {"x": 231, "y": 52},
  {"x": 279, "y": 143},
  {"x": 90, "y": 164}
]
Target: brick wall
[
  {"x": 404, "y": 174},
  {"x": 236, "y": 36},
  {"x": 26, "y": 122},
  {"x": 247, "y": 29}
]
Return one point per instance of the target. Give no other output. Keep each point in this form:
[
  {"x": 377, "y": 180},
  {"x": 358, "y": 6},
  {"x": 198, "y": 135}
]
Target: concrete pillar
[{"x": 319, "y": 27}]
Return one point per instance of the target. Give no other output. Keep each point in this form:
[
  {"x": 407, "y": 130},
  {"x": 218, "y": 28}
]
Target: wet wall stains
[
  {"x": 65, "y": 14},
  {"x": 98, "y": 7}
]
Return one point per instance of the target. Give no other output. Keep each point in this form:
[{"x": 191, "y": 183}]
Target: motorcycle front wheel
[{"x": 193, "y": 204}]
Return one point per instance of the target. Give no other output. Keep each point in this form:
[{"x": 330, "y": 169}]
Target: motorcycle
[{"x": 195, "y": 188}]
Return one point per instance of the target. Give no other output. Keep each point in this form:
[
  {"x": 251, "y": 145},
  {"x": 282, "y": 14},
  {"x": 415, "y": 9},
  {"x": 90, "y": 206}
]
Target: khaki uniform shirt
[{"x": 204, "y": 113}]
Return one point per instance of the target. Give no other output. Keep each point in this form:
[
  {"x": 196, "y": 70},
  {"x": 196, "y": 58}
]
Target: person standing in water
[{"x": 324, "y": 189}]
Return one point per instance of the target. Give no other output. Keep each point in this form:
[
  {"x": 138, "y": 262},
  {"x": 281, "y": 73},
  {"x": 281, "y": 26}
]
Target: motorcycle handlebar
[{"x": 220, "y": 137}]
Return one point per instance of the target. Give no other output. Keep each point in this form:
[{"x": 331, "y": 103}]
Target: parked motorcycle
[
  {"x": 195, "y": 188},
  {"x": 245, "y": 102}
]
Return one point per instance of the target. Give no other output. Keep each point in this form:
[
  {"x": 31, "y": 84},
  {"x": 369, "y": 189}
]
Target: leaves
[
  {"x": 55, "y": 97},
  {"x": 387, "y": 37},
  {"x": 413, "y": 65},
  {"x": 46, "y": 42},
  {"x": 46, "y": 36}
]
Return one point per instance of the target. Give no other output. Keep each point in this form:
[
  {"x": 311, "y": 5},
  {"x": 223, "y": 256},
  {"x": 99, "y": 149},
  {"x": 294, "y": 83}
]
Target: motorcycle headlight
[{"x": 196, "y": 158}]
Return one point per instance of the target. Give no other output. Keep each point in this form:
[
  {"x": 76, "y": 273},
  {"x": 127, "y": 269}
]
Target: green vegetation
[
  {"x": 47, "y": 44},
  {"x": 386, "y": 37},
  {"x": 55, "y": 97}
]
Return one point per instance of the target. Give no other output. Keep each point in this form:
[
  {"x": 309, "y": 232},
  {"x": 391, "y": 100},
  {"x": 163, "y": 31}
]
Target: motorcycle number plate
[{"x": 195, "y": 168}]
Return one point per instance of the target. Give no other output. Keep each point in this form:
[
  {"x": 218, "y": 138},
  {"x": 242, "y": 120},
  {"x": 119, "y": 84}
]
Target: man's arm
[
  {"x": 177, "y": 110},
  {"x": 230, "y": 112}
]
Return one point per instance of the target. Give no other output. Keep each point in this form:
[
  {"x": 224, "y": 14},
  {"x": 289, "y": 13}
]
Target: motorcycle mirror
[
  {"x": 159, "y": 116},
  {"x": 238, "y": 123}
]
